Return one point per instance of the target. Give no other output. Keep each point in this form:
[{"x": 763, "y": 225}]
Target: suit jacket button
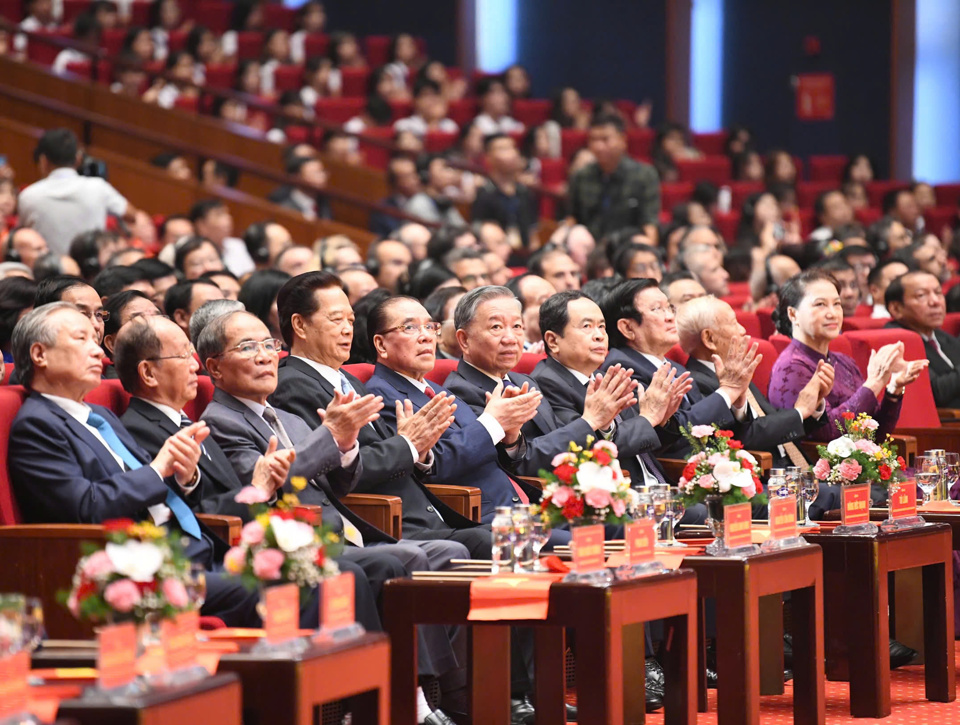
[
  {"x": 430, "y": 509},
  {"x": 516, "y": 499},
  {"x": 326, "y": 502}
]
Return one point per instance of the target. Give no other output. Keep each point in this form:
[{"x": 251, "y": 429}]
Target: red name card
[
  {"x": 783, "y": 517},
  {"x": 640, "y": 541},
  {"x": 587, "y": 548},
  {"x": 737, "y": 525},
  {"x": 855, "y": 508},
  {"x": 903, "y": 501},
  {"x": 117, "y": 655},
  {"x": 282, "y": 617},
  {"x": 180, "y": 640},
  {"x": 13, "y": 683},
  {"x": 336, "y": 601}
]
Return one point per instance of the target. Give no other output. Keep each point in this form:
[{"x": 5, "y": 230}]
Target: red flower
[
  {"x": 848, "y": 415},
  {"x": 117, "y": 525},
  {"x": 689, "y": 471},
  {"x": 885, "y": 472},
  {"x": 602, "y": 457},
  {"x": 901, "y": 462},
  {"x": 321, "y": 555},
  {"x": 745, "y": 462},
  {"x": 307, "y": 516},
  {"x": 282, "y": 514},
  {"x": 85, "y": 589},
  {"x": 544, "y": 503},
  {"x": 725, "y": 434},
  {"x": 573, "y": 508},
  {"x": 736, "y": 445},
  {"x": 565, "y": 472}
]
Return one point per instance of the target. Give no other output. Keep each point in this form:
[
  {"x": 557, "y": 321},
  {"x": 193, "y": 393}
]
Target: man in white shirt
[
  {"x": 878, "y": 281},
  {"x": 212, "y": 219},
  {"x": 63, "y": 203},
  {"x": 495, "y": 108},
  {"x": 429, "y": 111}
]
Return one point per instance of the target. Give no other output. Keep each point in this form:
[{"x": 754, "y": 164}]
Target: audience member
[
  {"x": 557, "y": 267},
  {"x": 916, "y": 302},
  {"x": 429, "y": 111},
  {"x": 312, "y": 205},
  {"x": 636, "y": 261},
  {"x": 503, "y": 199},
  {"x": 184, "y": 298},
  {"x": 433, "y": 202},
  {"x": 404, "y": 183},
  {"x": 847, "y": 283},
  {"x": 209, "y": 311},
  {"x": 469, "y": 267},
  {"x": 196, "y": 256},
  {"x": 264, "y": 242},
  {"x": 212, "y": 219},
  {"x": 119, "y": 279},
  {"x": 388, "y": 261},
  {"x": 259, "y": 296},
  {"x": 16, "y": 300},
  {"x": 24, "y": 245},
  {"x": 161, "y": 276},
  {"x": 832, "y": 211},
  {"x": 121, "y": 308},
  {"x": 680, "y": 287},
  {"x": 494, "y": 114},
  {"x": 63, "y": 202},
  {"x": 226, "y": 281},
  {"x": 440, "y": 306},
  {"x": 901, "y": 205},
  {"x": 295, "y": 260},
  {"x": 880, "y": 278},
  {"x": 357, "y": 282},
  {"x": 532, "y": 290}
]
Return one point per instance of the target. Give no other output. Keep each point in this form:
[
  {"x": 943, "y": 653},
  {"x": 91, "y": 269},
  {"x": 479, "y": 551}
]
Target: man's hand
[
  {"x": 656, "y": 400},
  {"x": 347, "y": 414},
  {"x": 425, "y": 427},
  {"x": 881, "y": 366},
  {"x": 512, "y": 408},
  {"x": 736, "y": 372},
  {"x": 681, "y": 385},
  {"x": 272, "y": 468},
  {"x": 909, "y": 374},
  {"x": 180, "y": 454},
  {"x": 608, "y": 396}
]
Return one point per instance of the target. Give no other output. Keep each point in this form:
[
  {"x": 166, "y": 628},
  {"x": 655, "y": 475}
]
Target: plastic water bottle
[
  {"x": 522, "y": 538},
  {"x": 777, "y": 483},
  {"x": 502, "y": 537}
]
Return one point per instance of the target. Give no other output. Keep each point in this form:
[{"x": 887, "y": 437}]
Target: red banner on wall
[{"x": 815, "y": 96}]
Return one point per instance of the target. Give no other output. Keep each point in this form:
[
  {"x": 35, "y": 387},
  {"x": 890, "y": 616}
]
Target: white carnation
[
  {"x": 841, "y": 447},
  {"x": 136, "y": 560},
  {"x": 592, "y": 475},
  {"x": 291, "y": 535}
]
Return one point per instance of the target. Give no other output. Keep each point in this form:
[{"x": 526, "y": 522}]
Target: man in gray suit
[{"x": 241, "y": 357}]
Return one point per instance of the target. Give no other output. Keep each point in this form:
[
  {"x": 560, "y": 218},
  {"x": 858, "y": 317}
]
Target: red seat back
[
  {"x": 919, "y": 409},
  {"x": 951, "y": 323},
  {"x": 441, "y": 369},
  {"x": 863, "y": 323},
  {"x": 462, "y": 111},
  {"x": 531, "y": 111},
  {"x": 571, "y": 141},
  {"x": 249, "y": 44},
  {"x": 111, "y": 395},
  {"x": 750, "y": 322},
  {"x": 677, "y": 354},
  {"x": 761, "y": 376},
  {"x": 712, "y": 143},
  {"x": 276, "y": 15},
  {"x": 715, "y": 169},
  {"x": 354, "y": 82},
  {"x": 765, "y": 316},
  {"x": 287, "y": 78},
  {"x": 194, "y": 409},
  {"x": 827, "y": 168},
  {"x": 7, "y": 372},
  {"x": 673, "y": 194},
  {"x": 640, "y": 142},
  {"x": 438, "y": 141},
  {"x": 11, "y": 398},
  {"x": 45, "y": 53},
  {"x": 215, "y": 14},
  {"x": 316, "y": 44},
  {"x": 340, "y": 110},
  {"x": 808, "y": 191},
  {"x": 361, "y": 371},
  {"x": 947, "y": 194},
  {"x": 528, "y": 361}
]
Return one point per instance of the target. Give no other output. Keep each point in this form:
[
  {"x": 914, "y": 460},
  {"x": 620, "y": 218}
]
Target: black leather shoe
[
  {"x": 711, "y": 665},
  {"x": 571, "y": 712},
  {"x": 654, "y": 685},
  {"x": 438, "y": 717},
  {"x": 900, "y": 654},
  {"x": 521, "y": 711},
  {"x": 787, "y": 675},
  {"x": 711, "y": 679},
  {"x": 788, "y": 651}
]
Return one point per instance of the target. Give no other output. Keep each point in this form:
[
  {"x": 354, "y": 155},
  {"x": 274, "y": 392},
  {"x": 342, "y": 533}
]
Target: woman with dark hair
[
  {"x": 779, "y": 168},
  {"x": 858, "y": 168},
  {"x": 672, "y": 144},
  {"x": 811, "y": 314},
  {"x": 259, "y": 296},
  {"x": 404, "y": 59},
  {"x": 429, "y": 276},
  {"x": 568, "y": 110},
  {"x": 747, "y": 166},
  {"x": 762, "y": 224},
  {"x": 275, "y": 52},
  {"x": 344, "y": 52},
  {"x": 139, "y": 42},
  {"x": 16, "y": 300},
  {"x": 311, "y": 20},
  {"x": 453, "y": 88},
  {"x": 206, "y": 50},
  {"x": 166, "y": 16},
  {"x": 517, "y": 81},
  {"x": 246, "y": 15}
]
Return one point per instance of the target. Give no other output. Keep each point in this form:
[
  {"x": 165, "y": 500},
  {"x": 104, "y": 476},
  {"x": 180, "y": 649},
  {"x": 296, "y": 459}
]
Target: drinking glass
[
  {"x": 11, "y": 623},
  {"x": 539, "y": 536},
  {"x": 809, "y": 489},
  {"x": 658, "y": 497},
  {"x": 522, "y": 541},
  {"x": 33, "y": 631},
  {"x": 951, "y": 470},
  {"x": 929, "y": 472},
  {"x": 196, "y": 584}
]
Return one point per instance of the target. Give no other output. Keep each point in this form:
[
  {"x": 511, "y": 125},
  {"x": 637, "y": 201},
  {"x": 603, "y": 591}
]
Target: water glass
[
  {"x": 951, "y": 471},
  {"x": 809, "y": 490},
  {"x": 522, "y": 540},
  {"x": 11, "y": 623},
  {"x": 196, "y": 585},
  {"x": 539, "y": 536},
  {"x": 929, "y": 471},
  {"x": 659, "y": 499},
  {"x": 33, "y": 631}
]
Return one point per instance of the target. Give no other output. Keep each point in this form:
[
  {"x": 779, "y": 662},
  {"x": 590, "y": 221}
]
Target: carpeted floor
[{"x": 908, "y": 704}]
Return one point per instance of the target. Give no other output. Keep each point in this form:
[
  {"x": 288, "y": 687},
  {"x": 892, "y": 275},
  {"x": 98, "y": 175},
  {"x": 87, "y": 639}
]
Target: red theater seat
[
  {"x": 863, "y": 323},
  {"x": 354, "y": 82},
  {"x": 750, "y": 322},
  {"x": 761, "y": 376},
  {"x": 341, "y": 110},
  {"x": 947, "y": 194},
  {"x": 571, "y": 141},
  {"x": 531, "y": 111},
  {"x": 288, "y": 78},
  {"x": 715, "y": 169},
  {"x": 316, "y": 44},
  {"x": 194, "y": 409},
  {"x": 951, "y": 323},
  {"x": 249, "y": 44},
  {"x": 11, "y": 398},
  {"x": 528, "y": 361},
  {"x": 808, "y": 191},
  {"x": 441, "y": 369},
  {"x": 110, "y": 394},
  {"x": 876, "y": 190},
  {"x": 673, "y": 194},
  {"x": 361, "y": 371},
  {"x": 711, "y": 144},
  {"x": 553, "y": 171},
  {"x": 827, "y": 168},
  {"x": 276, "y": 15},
  {"x": 463, "y": 111},
  {"x": 640, "y": 142}
]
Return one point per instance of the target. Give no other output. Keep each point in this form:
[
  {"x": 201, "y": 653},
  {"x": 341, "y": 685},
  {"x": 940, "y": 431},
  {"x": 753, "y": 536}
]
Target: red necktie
[
  {"x": 520, "y": 492},
  {"x": 429, "y": 392}
]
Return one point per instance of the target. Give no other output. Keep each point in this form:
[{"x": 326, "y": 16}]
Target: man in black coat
[
  {"x": 316, "y": 321},
  {"x": 916, "y": 302}
]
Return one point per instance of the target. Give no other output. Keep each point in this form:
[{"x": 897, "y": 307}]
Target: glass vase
[{"x": 714, "y": 504}]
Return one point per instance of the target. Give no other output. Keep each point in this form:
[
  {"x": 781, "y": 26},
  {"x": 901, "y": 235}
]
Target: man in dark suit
[
  {"x": 642, "y": 326},
  {"x": 575, "y": 339},
  {"x": 489, "y": 327},
  {"x": 473, "y": 449},
  {"x": 316, "y": 321},
  {"x": 71, "y": 462},
  {"x": 916, "y": 302}
]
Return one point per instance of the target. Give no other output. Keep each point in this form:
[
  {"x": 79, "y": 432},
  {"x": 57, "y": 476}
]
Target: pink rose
[
  {"x": 252, "y": 533},
  {"x": 608, "y": 446},
  {"x": 97, "y": 565},
  {"x": 597, "y": 497},
  {"x": 822, "y": 469},
  {"x": 749, "y": 491},
  {"x": 870, "y": 424},
  {"x": 234, "y": 560},
  {"x": 175, "y": 593},
  {"x": 267, "y": 563},
  {"x": 562, "y": 458},
  {"x": 250, "y": 495},
  {"x": 73, "y": 604},
  {"x": 561, "y": 496},
  {"x": 867, "y": 446},
  {"x": 706, "y": 481},
  {"x": 702, "y": 431},
  {"x": 850, "y": 469},
  {"x": 619, "y": 507},
  {"x": 122, "y": 595}
]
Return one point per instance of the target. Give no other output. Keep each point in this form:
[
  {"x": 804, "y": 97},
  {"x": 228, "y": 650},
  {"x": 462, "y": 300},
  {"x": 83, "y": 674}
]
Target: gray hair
[
  {"x": 10, "y": 268},
  {"x": 693, "y": 317},
  {"x": 212, "y": 341},
  {"x": 467, "y": 307},
  {"x": 35, "y": 327},
  {"x": 209, "y": 311},
  {"x": 692, "y": 257}
]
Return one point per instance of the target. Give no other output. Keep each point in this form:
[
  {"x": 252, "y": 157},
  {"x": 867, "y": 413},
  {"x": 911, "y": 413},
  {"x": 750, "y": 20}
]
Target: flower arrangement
[
  {"x": 140, "y": 572},
  {"x": 855, "y": 457},
  {"x": 718, "y": 466},
  {"x": 587, "y": 483},
  {"x": 284, "y": 543}
]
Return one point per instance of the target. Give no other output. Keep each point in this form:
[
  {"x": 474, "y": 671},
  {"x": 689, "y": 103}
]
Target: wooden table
[
  {"x": 857, "y": 624},
  {"x": 215, "y": 699},
  {"x": 737, "y": 586},
  {"x": 610, "y": 650},
  {"x": 283, "y": 688}
]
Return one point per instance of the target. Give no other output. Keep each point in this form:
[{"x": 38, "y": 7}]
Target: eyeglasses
[
  {"x": 185, "y": 355},
  {"x": 98, "y": 316},
  {"x": 410, "y": 329},
  {"x": 249, "y": 348},
  {"x": 661, "y": 311},
  {"x": 471, "y": 278}
]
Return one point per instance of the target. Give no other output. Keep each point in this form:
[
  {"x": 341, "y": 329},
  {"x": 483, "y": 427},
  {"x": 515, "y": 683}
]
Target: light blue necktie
[
  {"x": 188, "y": 522},
  {"x": 345, "y": 386}
]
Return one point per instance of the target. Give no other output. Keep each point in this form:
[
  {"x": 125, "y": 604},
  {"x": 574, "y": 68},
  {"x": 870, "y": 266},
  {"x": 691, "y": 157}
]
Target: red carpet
[{"x": 908, "y": 704}]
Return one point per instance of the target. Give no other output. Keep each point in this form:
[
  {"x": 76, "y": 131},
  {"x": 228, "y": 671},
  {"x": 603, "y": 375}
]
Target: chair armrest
[
  {"x": 226, "y": 527},
  {"x": 465, "y": 500},
  {"x": 948, "y": 414},
  {"x": 534, "y": 481},
  {"x": 383, "y": 512},
  {"x": 672, "y": 468},
  {"x": 764, "y": 460},
  {"x": 923, "y": 439},
  {"x": 39, "y": 560}
]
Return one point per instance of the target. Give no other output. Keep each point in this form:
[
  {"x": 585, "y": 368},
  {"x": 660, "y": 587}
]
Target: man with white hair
[
  {"x": 707, "y": 328},
  {"x": 705, "y": 262}
]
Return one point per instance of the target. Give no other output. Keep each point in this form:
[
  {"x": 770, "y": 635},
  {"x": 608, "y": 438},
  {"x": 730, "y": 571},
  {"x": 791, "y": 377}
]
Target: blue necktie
[
  {"x": 185, "y": 422},
  {"x": 188, "y": 522},
  {"x": 345, "y": 386}
]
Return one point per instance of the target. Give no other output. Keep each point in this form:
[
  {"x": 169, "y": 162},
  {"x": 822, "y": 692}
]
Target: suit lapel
[
  {"x": 545, "y": 423},
  {"x": 258, "y": 424},
  {"x": 80, "y": 431}
]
